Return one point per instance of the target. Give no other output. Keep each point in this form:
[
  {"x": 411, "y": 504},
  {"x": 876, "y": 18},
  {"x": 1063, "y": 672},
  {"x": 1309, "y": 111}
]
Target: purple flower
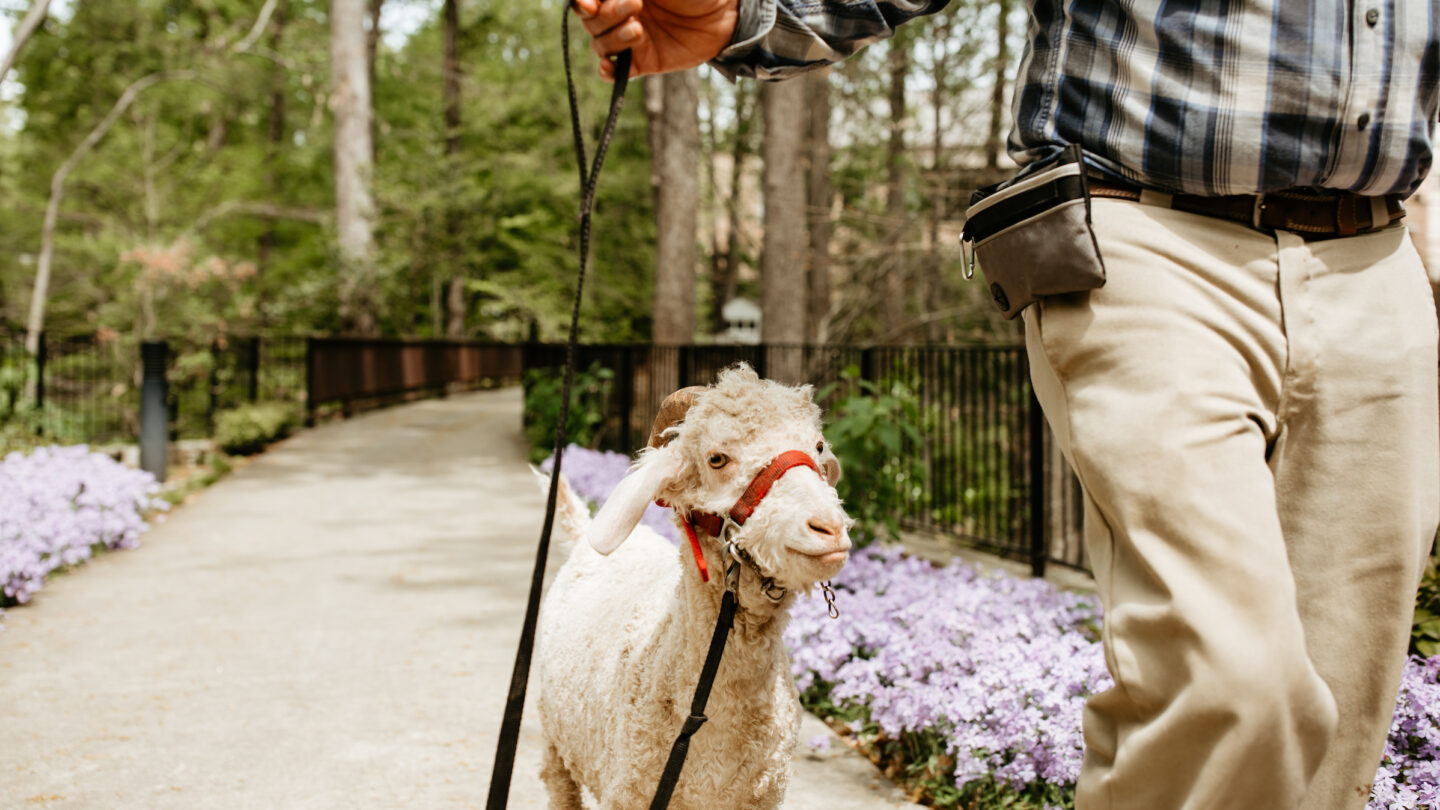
[
  {"x": 997, "y": 667},
  {"x": 58, "y": 505}
]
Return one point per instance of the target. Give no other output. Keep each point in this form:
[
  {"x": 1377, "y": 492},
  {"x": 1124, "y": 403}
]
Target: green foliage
[
  {"x": 163, "y": 230},
  {"x": 585, "y": 423},
  {"x": 217, "y": 466},
  {"x": 249, "y": 428},
  {"x": 1425, "y": 635},
  {"x": 875, "y": 433}
]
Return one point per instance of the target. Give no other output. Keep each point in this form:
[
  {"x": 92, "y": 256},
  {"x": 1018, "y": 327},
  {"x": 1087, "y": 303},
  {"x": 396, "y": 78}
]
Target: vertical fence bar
[
  {"x": 1039, "y": 554},
  {"x": 309, "y": 382},
  {"x": 625, "y": 377},
  {"x": 40, "y": 358},
  {"x": 252, "y": 362},
  {"x": 213, "y": 388},
  {"x": 154, "y": 411}
]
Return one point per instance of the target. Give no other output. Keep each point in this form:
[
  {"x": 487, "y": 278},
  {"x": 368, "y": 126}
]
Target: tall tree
[
  {"x": 372, "y": 46},
  {"x": 275, "y": 135},
  {"x": 677, "y": 208},
  {"x": 995, "y": 144},
  {"x": 896, "y": 279},
  {"x": 818, "y": 193},
  {"x": 782, "y": 262},
  {"x": 33, "y": 18},
  {"x": 354, "y": 205},
  {"x": 455, "y": 298},
  {"x": 725, "y": 261},
  {"x": 930, "y": 291}
]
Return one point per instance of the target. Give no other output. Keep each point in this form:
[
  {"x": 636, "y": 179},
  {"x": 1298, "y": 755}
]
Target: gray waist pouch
[{"x": 1032, "y": 236}]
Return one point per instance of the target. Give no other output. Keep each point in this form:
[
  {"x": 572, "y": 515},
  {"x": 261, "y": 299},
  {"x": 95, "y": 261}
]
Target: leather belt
[{"x": 1313, "y": 214}]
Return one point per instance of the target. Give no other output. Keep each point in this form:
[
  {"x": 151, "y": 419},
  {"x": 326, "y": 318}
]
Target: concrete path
[{"x": 332, "y": 626}]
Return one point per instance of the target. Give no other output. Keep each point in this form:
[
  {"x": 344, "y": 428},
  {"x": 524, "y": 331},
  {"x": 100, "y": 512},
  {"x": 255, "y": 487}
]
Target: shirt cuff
[{"x": 756, "y": 19}]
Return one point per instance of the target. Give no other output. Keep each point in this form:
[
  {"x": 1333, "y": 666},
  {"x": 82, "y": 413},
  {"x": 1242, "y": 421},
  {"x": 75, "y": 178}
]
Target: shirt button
[
  {"x": 1371, "y": 17},
  {"x": 1364, "y": 120}
]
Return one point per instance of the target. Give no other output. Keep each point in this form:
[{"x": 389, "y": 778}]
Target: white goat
[{"x": 623, "y": 637}]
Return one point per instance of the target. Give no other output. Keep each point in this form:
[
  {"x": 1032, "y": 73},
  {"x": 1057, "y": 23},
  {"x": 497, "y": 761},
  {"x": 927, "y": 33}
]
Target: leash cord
[{"x": 515, "y": 700}]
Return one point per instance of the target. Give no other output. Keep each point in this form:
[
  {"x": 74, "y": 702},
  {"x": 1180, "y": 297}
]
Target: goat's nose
[{"x": 825, "y": 528}]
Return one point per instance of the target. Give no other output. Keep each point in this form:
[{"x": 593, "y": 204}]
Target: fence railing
[
  {"x": 992, "y": 477},
  {"x": 345, "y": 370}
]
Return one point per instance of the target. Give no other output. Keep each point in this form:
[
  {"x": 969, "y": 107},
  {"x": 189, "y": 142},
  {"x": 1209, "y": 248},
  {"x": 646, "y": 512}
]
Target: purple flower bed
[
  {"x": 58, "y": 505},
  {"x": 979, "y": 680},
  {"x": 993, "y": 668}
]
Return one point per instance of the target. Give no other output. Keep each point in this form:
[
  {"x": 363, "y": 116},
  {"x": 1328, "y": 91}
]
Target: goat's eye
[
  {"x": 718, "y": 460},
  {"x": 820, "y": 447}
]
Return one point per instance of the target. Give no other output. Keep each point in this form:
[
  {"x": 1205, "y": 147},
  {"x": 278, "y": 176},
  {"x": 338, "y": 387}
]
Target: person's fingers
[
  {"x": 610, "y": 14},
  {"x": 607, "y": 70},
  {"x": 585, "y": 9},
  {"x": 626, "y": 35}
]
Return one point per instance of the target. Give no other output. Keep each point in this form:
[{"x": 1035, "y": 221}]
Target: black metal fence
[
  {"x": 346, "y": 370},
  {"x": 85, "y": 389},
  {"x": 990, "y": 475},
  {"x": 991, "y": 478}
]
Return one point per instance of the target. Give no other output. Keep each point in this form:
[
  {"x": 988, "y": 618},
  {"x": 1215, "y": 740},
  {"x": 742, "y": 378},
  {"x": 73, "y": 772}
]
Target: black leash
[
  {"x": 697, "y": 717},
  {"x": 515, "y": 701}
]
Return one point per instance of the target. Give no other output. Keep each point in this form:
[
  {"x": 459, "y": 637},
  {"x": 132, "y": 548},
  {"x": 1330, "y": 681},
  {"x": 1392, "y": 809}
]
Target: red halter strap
[{"x": 714, "y": 525}]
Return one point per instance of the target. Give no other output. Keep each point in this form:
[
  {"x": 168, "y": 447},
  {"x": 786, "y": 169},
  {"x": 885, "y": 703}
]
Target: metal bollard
[{"x": 154, "y": 415}]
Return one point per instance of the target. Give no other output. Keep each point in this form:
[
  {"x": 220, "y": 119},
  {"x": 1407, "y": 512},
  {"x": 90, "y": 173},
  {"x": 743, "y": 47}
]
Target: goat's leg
[{"x": 563, "y": 790}]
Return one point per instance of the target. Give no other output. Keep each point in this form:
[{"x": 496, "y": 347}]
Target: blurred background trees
[{"x": 405, "y": 167}]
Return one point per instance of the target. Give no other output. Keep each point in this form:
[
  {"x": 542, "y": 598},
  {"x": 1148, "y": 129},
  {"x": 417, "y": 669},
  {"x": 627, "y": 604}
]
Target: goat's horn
[{"x": 672, "y": 412}]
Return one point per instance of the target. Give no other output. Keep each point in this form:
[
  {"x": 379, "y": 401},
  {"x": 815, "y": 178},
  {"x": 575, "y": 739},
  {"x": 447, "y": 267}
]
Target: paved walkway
[{"x": 332, "y": 626}]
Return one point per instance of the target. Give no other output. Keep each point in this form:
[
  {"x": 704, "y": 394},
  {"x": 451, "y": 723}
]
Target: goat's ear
[{"x": 626, "y": 505}]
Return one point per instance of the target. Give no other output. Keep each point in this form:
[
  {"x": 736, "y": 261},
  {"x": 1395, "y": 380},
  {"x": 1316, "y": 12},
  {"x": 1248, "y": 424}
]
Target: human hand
[{"x": 663, "y": 35}]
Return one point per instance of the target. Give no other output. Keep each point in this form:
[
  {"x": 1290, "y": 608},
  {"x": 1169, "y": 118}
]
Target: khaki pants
[{"x": 1254, "y": 421}]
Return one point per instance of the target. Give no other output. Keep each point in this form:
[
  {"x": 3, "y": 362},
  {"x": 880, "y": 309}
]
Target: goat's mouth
[{"x": 833, "y": 557}]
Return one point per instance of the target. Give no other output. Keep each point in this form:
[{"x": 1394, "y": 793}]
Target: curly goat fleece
[{"x": 623, "y": 637}]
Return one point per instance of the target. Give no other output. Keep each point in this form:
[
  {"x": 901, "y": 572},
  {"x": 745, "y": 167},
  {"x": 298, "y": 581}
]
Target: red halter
[{"x": 714, "y": 524}]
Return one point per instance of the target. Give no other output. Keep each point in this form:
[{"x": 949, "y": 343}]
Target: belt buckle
[{"x": 1258, "y": 212}]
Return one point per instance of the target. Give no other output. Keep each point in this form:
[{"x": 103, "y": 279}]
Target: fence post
[
  {"x": 211, "y": 401},
  {"x": 154, "y": 413},
  {"x": 625, "y": 377},
  {"x": 309, "y": 382},
  {"x": 40, "y": 358},
  {"x": 868, "y": 368},
  {"x": 1035, "y": 445},
  {"x": 252, "y": 360}
]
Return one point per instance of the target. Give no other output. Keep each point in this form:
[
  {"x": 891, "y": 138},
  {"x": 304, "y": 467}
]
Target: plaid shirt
[{"x": 1203, "y": 97}]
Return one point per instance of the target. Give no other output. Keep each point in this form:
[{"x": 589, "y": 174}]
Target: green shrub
[
  {"x": 875, "y": 433},
  {"x": 249, "y": 428},
  {"x": 586, "y": 422},
  {"x": 1425, "y": 636}
]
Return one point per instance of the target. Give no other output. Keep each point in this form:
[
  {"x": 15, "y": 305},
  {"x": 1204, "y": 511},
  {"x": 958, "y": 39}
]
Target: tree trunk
[
  {"x": 725, "y": 279},
  {"x": 895, "y": 280},
  {"x": 932, "y": 292},
  {"x": 677, "y": 209},
  {"x": 35, "y": 324},
  {"x": 654, "y": 87},
  {"x": 995, "y": 144},
  {"x": 782, "y": 263},
  {"x": 455, "y": 298},
  {"x": 33, "y": 18},
  {"x": 354, "y": 208},
  {"x": 275, "y": 138},
  {"x": 372, "y": 44},
  {"x": 818, "y": 193}
]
